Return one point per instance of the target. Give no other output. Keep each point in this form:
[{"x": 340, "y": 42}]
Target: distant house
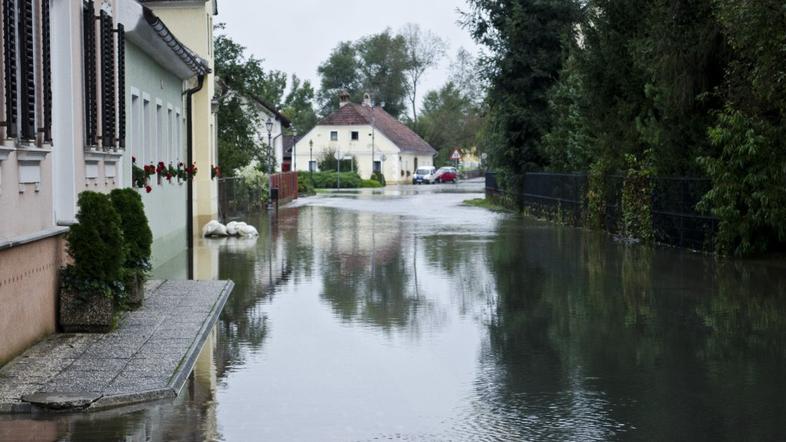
[{"x": 357, "y": 130}]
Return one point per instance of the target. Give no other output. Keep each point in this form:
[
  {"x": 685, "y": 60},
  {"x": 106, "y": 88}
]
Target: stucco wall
[
  {"x": 192, "y": 24},
  {"x": 28, "y": 290},
  {"x": 151, "y": 140},
  {"x": 392, "y": 166}
]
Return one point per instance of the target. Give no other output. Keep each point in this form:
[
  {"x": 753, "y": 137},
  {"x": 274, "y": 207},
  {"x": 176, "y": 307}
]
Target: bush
[
  {"x": 328, "y": 180},
  {"x": 370, "y": 184},
  {"x": 97, "y": 248},
  {"x": 328, "y": 162},
  {"x": 748, "y": 195},
  {"x": 305, "y": 186},
  {"x": 136, "y": 230},
  {"x": 380, "y": 178}
]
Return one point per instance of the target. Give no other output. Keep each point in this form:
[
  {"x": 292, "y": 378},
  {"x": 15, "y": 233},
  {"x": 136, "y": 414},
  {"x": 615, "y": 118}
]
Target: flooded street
[{"x": 400, "y": 314}]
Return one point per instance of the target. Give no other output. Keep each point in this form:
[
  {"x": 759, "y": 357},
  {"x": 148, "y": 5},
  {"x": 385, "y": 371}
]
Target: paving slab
[{"x": 148, "y": 357}]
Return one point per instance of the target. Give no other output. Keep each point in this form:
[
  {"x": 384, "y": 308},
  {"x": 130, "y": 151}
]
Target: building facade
[
  {"x": 65, "y": 105},
  {"x": 369, "y": 135},
  {"x": 191, "y": 22}
]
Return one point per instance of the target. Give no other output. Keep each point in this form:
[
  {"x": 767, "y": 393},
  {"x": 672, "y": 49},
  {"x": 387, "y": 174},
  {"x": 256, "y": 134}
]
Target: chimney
[
  {"x": 367, "y": 100},
  {"x": 343, "y": 98}
]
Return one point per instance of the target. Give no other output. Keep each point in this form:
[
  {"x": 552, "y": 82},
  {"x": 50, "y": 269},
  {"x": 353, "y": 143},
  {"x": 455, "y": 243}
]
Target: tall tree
[
  {"x": 299, "y": 105},
  {"x": 424, "y": 51},
  {"x": 449, "y": 120},
  {"x": 383, "y": 63},
  {"x": 526, "y": 40},
  {"x": 340, "y": 71},
  {"x": 463, "y": 74}
]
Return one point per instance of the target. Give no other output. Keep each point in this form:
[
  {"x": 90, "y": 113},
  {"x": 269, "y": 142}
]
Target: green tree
[
  {"x": 299, "y": 105},
  {"x": 526, "y": 42},
  {"x": 424, "y": 50},
  {"x": 448, "y": 120},
  {"x": 341, "y": 71}
]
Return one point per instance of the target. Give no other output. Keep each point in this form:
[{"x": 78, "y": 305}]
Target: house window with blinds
[
  {"x": 104, "y": 67},
  {"x": 26, "y": 108}
]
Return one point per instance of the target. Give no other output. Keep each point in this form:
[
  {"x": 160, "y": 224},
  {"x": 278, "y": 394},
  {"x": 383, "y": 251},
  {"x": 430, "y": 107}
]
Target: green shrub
[
  {"x": 135, "y": 227},
  {"x": 380, "y": 178},
  {"x": 328, "y": 162},
  {"x": 596, "y": 194},
  {"x": 97, "y": 248},
  {"x": 637, "y": 201},
  {"x": 370, "y": 184},
  {"x": 329, "y": 180},
  {"x": 305, "y": 186},
  {"x": 748, "y": 194}
]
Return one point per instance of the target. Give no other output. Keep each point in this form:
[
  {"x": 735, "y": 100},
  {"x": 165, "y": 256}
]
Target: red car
[{"x": 446, "y": 175}]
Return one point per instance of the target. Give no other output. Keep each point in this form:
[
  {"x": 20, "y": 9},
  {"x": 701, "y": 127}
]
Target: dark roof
[
  {"x": 279, "y": 116},
  {"x": 193, "y": 61},
  {"x": 289, "y": 143},
  {"x": 353, "y": 114}
]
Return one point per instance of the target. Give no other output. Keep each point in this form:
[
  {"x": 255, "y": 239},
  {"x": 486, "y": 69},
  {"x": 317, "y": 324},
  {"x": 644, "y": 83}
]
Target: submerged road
[{"x": 400, "y": 314}]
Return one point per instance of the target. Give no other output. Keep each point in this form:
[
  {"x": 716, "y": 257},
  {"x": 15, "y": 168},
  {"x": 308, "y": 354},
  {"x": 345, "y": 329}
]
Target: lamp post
[
  {"x": 294, "y": 149},
  {"x": 311, "y": 158},
  {"x": 269, "y": 127}
]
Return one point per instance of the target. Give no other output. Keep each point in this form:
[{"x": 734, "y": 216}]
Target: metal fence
[
  {"x": 237, "y": 198},
  {"x": 675, "y": 217}
]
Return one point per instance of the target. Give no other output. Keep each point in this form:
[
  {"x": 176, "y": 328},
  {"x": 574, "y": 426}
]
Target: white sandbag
[{"x": 232, "y": 228}]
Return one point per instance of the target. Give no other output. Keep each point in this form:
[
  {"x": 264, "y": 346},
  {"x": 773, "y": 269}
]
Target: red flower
[{"x": 148, "y": 189}]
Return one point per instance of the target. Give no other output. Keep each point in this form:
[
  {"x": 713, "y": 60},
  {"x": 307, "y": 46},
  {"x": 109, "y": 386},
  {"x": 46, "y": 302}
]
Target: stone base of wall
[{"x": 28, "y": 294}]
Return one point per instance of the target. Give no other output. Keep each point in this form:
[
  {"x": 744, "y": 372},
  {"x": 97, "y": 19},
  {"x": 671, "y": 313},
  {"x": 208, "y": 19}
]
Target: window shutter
[
  {"x": 9, "y": 51},
  {"x": 27, "y": 69},
  {"x": 121, "y": 84},
  {"x": 91, "y": 104},
  {"x": 108, "y": 93},
  {"x": 46, "y": 58}
]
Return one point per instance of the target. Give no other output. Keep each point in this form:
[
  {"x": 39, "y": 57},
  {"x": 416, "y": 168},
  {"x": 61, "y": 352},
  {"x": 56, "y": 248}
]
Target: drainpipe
[{"x": 189, "y": 161}]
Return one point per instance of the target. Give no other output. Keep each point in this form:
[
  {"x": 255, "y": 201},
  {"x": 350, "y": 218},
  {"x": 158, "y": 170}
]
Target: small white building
[{"x": 364, "y": 131}]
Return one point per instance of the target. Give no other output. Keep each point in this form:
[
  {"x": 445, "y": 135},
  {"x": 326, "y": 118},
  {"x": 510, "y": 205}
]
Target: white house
[{"x": 364, "y": 131}]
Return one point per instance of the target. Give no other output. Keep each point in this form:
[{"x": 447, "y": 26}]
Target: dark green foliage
[
  {"x": 329, "y": 163},
  {"x": 330, "y": 180},
  {"x": 375, "y": 64},
  {"x": 637, "y": 200},
  {"x": 748, "y": 194},
  {"x": 380, "y": 178},
  {"x": 526, "y": 39},
  {"x": 243, "y": 76},
  {"x": 136, "y": 229},
  {"x": 97, "y": 248},
  {"x": 305, "y": 186},
  {"x": 448, "y": 120}
]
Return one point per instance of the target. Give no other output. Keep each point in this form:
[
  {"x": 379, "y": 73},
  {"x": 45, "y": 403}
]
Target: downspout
[{"x": 189, "y": 161}]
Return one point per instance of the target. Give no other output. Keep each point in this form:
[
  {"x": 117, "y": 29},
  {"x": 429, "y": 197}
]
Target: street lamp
[
  {"x": 294, "y": 149},
  {"x": 311, "y": 158},
  {"x": 269, "y": 127}
]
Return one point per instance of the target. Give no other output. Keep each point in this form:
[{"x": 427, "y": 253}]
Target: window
[
  {"x": 334, "y": 135},
  {"x": 160, "y": 154},
  {"x": 178, "y": 136},
  {"x": 170, "y": 139},
  {"x": 136, "y": 129},
  {"x": 312, "y": 166},
  {"x": 377, "y": 166},
  {"x": 147, "y": 131},
  {"x": 104, "y": 76},
  {"x": 355, "y": 135},
  {"x": 26, "y": 48}
]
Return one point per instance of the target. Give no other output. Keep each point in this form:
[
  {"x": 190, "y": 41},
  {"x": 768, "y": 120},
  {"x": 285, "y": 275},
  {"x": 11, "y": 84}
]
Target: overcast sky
[{"x": 295, "y": 36}]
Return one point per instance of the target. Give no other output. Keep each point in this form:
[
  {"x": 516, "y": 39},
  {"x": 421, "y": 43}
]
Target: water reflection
[{"x": 352, "y": 320}]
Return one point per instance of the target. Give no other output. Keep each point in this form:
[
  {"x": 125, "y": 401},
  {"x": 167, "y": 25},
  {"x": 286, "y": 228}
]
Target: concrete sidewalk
[{"x": 149, "y": 356}]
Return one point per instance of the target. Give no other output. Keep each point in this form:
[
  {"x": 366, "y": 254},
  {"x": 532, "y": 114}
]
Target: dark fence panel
[
  {"x": 675, "y": 217},
  {"x": 286, "y": 183},
  {"x": 556, "y": 195},
  {"x": 237, "y": 198}
]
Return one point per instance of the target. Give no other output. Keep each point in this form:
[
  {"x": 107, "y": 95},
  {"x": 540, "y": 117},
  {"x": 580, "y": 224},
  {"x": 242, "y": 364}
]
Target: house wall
[
  {"x": 392, "y": 167},
  {"x": 156, "y": 132},
  {"x": 192, "y": 24}
]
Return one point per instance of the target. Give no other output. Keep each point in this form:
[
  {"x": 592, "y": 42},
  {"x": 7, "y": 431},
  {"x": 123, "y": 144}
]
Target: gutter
[{"x": 190, "y": 160}]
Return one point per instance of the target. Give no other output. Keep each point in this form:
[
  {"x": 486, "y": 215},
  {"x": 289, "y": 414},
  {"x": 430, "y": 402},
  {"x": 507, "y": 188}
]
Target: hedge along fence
[{"x": 636, "y": 205}]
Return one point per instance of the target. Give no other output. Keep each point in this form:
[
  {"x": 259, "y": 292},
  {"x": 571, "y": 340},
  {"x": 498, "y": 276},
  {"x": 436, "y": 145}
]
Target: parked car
[
  {"x": 446, "y": 175},
  {"x": 424, "y": 175}
]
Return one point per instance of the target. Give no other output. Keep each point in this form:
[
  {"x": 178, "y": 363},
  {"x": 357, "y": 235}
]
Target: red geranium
[{"x": 148, "y": 189}]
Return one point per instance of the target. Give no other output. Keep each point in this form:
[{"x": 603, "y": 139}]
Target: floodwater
[{"x": 402, "y": 315}]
